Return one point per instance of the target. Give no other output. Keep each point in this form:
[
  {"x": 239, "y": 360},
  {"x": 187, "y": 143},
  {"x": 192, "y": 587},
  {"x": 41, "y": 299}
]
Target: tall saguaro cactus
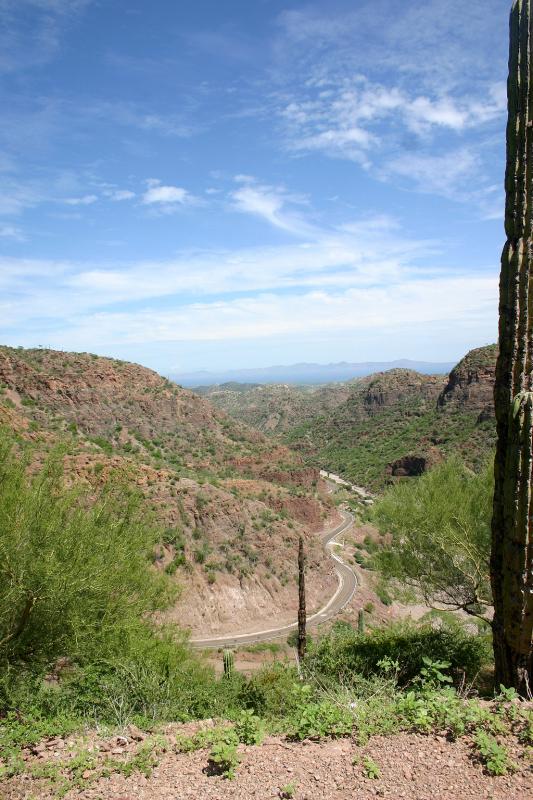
[
  {"x": 512, "y": 532},
  {"x": 302, "y": 615}
]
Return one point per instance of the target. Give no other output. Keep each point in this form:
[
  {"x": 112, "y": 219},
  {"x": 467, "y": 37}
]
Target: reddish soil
[{"x": 411, "y": 766}]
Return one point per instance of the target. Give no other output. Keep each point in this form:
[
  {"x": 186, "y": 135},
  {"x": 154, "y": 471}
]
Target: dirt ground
[{"x": 411, "y": 766}]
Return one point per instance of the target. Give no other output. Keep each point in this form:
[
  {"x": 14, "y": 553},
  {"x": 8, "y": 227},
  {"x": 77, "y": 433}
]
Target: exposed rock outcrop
[{"x": 470, "y": 386}]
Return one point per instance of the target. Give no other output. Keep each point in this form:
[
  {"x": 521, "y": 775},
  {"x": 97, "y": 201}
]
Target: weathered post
[
  {"x": 302, "y": 616},
  {"x": 512, "y": 540}
]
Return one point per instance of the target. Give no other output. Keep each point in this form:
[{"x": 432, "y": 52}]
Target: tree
[
  {"x": 302, "y": 616},
  {"x": 438, "y": 529},
  {"x": 512, "y": 535}
]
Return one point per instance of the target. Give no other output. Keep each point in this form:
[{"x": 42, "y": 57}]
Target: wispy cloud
[
  {"x": 350, "y": 120},
  {"x": 86, "y": 200},
  {"x": 271, "y": 203},
  {"x": 26, "y": 44},
  {"x": 435, "y": 44},
  {"x": 404, "y": 93},
  {"x": 466, "y": 302},
  {"x": 363, "y": 253},
  {"x": 444, "y": 174},
  {"x": 118, "y": 195},
  {"x": 11, "y": 232}
]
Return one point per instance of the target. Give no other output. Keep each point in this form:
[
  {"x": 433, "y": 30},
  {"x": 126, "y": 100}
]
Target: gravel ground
[{"x": 412, "y": 766}]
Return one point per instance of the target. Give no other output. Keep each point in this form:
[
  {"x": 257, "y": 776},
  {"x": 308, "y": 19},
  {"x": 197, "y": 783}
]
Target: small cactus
[
  {"x": 361, "y": 621},
  {"x": 229, "y": 663}
]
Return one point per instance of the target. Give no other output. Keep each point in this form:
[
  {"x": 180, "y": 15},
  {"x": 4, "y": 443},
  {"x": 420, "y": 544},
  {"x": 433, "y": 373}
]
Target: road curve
[{"x": 344, "y": 593}]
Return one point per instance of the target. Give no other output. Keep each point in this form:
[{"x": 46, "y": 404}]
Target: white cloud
[
  {"x": 272, "y": 204},
  {"x": 365, "y": 253},
  {"x": 350, "y": 119},
  {"x": 15, "y": 197},
  {"x": 363, "y": 276},
  {"x": 86, "y": 200},
  {"x": 23, "y": 45},
  {"x": 350, "y": 87},
  {"x": 242, "y": 178},
  {"x": 419, "y": 44},
  {"x": 166, "y": 196}
]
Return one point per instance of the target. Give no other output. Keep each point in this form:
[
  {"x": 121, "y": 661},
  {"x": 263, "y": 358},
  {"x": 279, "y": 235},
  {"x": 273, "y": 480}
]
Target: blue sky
[{"x": 234, "y": 183}]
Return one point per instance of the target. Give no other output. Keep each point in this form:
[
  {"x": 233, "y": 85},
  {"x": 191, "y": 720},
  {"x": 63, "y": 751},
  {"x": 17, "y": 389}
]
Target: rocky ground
[{"x": 409, "y": 766}]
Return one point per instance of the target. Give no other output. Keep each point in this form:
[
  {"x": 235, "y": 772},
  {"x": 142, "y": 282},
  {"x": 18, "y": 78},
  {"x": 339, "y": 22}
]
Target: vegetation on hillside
[
  {"x": 361, "y": 428},
  {"x": 361, "y": 451},
  {"x": 227, "y": 500}
]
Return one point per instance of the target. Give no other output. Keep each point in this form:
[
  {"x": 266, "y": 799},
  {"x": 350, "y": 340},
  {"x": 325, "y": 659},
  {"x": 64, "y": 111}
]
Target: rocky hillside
[
  {"x": 471, "y": 383},
  {"x": 391, "y": 424},
  {"x": 401, "y": 423},
  {"x": 275, "y": 408},
  {"x": 231, "y": 502}
]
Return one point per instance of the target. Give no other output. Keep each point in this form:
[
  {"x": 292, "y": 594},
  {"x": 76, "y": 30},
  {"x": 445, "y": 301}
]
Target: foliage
[
  {"x": 74, "y": 571},
  {"x": 249, "y": 727},
  {"x": 345, "y": 656},
  {"x": 432, "y": 673},
  {"x": 370, "y": 768},
  {"x": 315, "y": 720},
  {"x": 493, "y": 755},
  {"x": 440, "y": 535},
  {"x": 287, "y": 791},
  {"x": 359, "y": 445},
  {"x": 62, "y": 775},
  {"x": 224, "y": 756},
  {"x": 270, "y": 691}
]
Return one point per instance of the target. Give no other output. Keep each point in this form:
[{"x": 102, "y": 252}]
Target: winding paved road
[{"x": 341, "y": 598}]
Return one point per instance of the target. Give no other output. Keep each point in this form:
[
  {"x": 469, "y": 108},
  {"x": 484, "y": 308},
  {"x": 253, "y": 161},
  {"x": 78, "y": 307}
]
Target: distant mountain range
[{"x": 307, "y": 373}]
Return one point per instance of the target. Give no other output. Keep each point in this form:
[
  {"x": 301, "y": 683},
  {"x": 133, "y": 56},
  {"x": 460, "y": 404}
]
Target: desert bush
[
  {"x": 345, "y": 657},
  {"x": 439, "y": 527},
  {"x": 270, "y": 692},
  {"x": 74, "y": 570}
]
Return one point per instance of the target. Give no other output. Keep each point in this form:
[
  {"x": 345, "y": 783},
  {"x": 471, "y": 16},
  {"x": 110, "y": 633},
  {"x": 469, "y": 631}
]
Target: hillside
[
  {"x": 399, "y": 423},
  {"x": 232, "y": 502},
  {"x": 275, "y": 408},
  {"x": 390, "y": 424}
]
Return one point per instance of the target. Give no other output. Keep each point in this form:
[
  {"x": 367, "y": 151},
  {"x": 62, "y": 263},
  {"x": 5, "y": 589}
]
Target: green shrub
[
  {"x": 249, "y": 728},
  {"x": 270, "y": 692},
  {"x": 315, "y": 720},
  {"x": 493, "y": 755},
  {"x": 439, "y": 527},
  {"x": 224, "y": 758},
  {"x": 74, "y": 571},
  {"x": 344, "y": 655}
]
